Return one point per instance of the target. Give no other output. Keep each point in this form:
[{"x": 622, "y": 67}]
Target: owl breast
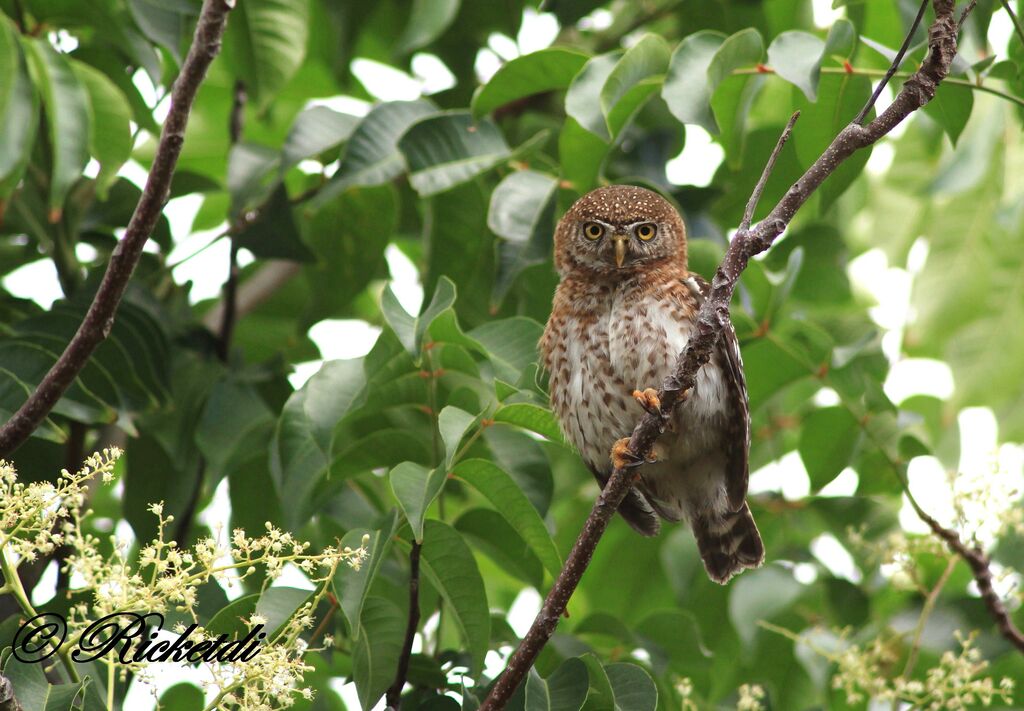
[{"x": 627, "y": 338}]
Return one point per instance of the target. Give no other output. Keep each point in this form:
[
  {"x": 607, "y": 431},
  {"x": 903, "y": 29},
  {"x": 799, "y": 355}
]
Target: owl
[{"x": 623, "y": 311}]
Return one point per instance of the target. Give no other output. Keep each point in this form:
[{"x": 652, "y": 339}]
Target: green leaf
[
  {"x": 453, "y": 423},
  {"x": 449, "y": 564},
  {"x": 265, "y": 43},
  {"x": 415, "y": 487},
  {"x": 581, "y": 154},
  {"x": 234, "y": 427},
  {"x": 183, "y": 696},
  {"x": 491, "y": 534},
  {"x": 353, "y": 586},
  {"x": 841, "y": 40},
  {"x": 169, "y": 24},
  {"x": 828, "y": 439},
  {"x": 510, "y": 344},
  {"x": 253, "y": 174},
  {"x": 628, "y": 85},
  {"x": 275, "y": 234},
  {"x": 10, "y": 60},
  {"x": 546, "y": 70},
  {"x": 633, "y": 687},
  {"x": 951, "y": 108},
  {"x": 451, "y": 148},
  {"x": 428, "y": 20},
  {"x": 688, "y": 87},
  {"x": 583, "y": 100},
  {"x": 759, "y": 595},
  {"x": 33, "y": 691},
  {"x": 796, "y": 57},
  {"x": 18, "y": 126},
  {"x": 410, "y": 330},
  {"x": 568, "y": 685},
  {"x": 530, "y": 417},
  {"x": 110, "y": 138},
  {"x": 371, "y": 155},
  {"x": 301, "y": 449},
  {"x": 277, "y": 604},
  {"x": 510, "y": 501},
  {"x": 377, "y": 650},
  {"x": 734, "y": 94},
  {"x": 316, "y": 130},
  {"x": 521, "y": 212},
  {"x": 840, "y": 98},
  {"x": 67, "y": 118}
]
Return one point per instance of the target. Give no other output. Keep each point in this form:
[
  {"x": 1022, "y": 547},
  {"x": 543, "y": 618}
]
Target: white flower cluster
[
  {"x": 751, "y": 696},
  {"x": 36, "y": 518}
]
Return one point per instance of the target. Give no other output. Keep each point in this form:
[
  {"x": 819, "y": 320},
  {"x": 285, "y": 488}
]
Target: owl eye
[
  {"x": 593, "y": 231},
  {"x": 646, "y": 231}
]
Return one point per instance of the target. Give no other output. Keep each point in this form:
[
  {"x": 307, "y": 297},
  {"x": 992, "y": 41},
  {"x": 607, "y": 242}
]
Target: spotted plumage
[{"x": 622, "y": 313}]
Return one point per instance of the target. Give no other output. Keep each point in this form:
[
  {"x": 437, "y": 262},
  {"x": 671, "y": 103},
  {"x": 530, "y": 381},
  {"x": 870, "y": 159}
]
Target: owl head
[{"x": 616, "y": 231}]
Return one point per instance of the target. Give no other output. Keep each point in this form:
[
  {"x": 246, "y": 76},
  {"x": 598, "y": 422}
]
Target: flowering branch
[
  {"x": 711, "y": 321},
  {"x": 99, "y": 319}
]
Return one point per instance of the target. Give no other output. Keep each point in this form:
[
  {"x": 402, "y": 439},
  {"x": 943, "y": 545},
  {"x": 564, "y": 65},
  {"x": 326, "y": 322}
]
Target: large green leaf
[
  {"x": 530, "y": 417},
  {"x": 168, "y": 24},
  {"x": 428, "y": 19},
  {"x": 371, "y": 156},
  {"x": 510, "y": 501},
  {"x": 951, "y": 107},
  {"x": 633, "y": 79},
  {"x": 10, "y": 60},
  {"x": 415, "y": 487},
  {"x": 491, "y": 534},
  {"x": 67, "y": 118},
  {"x": 234, "y": 427},
  {"x": 796, "y": 57},
  {"x": 316, "y": 130},
  {"x": 411, "y": 329},
  {"x": 633, "y": 687},
  {"x": 18, "y": 126},
  {"x": 110, "y": 138},
  {"x": 734, "y": 94},
  {"x": 545, "y": 70},
  {"x": 759, "y": 595},
  {"x": 583, "y": 100},
  {"x": 828, "y": 438},
  {"x": 449, "y": 565},
  {"x": 377, "y": 650},
  {"x": 33, "y": 691},
  {"x": 688, "y": 88},
  {"x": 265, "y": 44},
  {"x": 451, "y": 148},
  {"x": 353, "y": 586},
  {"x": 521, "y": 212},
  {"x": 453, "y": 423}
]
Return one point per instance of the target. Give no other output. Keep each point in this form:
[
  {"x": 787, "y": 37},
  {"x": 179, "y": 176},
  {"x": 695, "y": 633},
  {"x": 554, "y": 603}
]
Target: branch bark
[
  {"x": 394, "y": 695},
  {"x": 711, "y": 321},
  {"x": 978, "y": 562},
  {"x": 99, "y": 319}
]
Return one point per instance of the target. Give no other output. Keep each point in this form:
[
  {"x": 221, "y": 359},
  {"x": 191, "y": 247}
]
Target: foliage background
[{"x": 326, "y": 185}]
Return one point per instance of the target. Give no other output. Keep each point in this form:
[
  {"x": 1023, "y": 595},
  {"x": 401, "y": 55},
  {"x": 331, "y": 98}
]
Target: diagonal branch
[
  {"x": 979, "y": 564},
  {"x": 99, "y": 319},
  {"x": 711, "y": 321}
]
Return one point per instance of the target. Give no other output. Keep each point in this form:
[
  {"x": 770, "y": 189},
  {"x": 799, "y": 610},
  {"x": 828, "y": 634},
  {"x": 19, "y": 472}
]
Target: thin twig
[
  {"x": 99, "y": 319},
  {"x": 1013, "y": 18},
  {"x": 965, "y": 14},
  {"x": 394, "y": 695},
  {"x": 895, "y": 64},
  {"x": 712, "y": 319},
  {"x": 979, "y": 564},
  {"x": 748, "y": 213}
]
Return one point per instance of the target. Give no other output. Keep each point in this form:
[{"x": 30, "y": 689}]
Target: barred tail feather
[
  {"x": 728, "y": 544},
  {"x": 639, "y": 514}
]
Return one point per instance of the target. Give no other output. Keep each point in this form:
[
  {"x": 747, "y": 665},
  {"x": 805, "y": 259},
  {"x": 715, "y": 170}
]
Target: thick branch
[
  {"x": 711, "y": 321},
  {"x": 99, "y": 319},
  {"x": 394, "y": 695}
]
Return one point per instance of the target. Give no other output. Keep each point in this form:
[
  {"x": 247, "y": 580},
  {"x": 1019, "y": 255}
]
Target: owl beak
[{"x": 620, "y": 250}]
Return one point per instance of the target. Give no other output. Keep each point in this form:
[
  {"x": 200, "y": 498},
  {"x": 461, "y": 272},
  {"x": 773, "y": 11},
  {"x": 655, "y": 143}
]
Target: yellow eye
[
  {"x": 646, "y": 231},
  {"x": 593, "y": 231}
]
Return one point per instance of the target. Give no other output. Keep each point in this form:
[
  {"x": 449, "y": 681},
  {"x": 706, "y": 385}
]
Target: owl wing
[{"x": 738, "y": 422}]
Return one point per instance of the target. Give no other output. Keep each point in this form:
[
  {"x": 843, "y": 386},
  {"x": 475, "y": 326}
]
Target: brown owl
[{"x": 622, "y": 313}]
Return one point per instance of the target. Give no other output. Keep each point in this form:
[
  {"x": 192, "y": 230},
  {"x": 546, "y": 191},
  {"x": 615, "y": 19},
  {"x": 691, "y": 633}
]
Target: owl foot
[
  {"x": 648, "y": 400},
  {"x": 623, "y": 458}
]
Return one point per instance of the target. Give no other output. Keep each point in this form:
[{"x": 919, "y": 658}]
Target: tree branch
[
  {"x": 978, "y": 562},
  {"x": 394, "y": 695},
  {"x": 99, "y": 319},
  {"x": 711, "y": 321}
]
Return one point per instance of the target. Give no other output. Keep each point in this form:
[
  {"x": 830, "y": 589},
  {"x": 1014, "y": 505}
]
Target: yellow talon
[
  {"x": 648, "y": 400},
  {"x": 621, "y": 456}
]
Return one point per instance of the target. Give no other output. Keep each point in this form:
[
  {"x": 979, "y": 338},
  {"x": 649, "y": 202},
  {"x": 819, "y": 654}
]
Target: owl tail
[{"x": 728, "y": 543}]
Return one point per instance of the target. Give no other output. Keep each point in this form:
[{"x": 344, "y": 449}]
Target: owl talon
[
  {"x": 648, "y": 400},
  {"x": 623, "y": 457}
]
